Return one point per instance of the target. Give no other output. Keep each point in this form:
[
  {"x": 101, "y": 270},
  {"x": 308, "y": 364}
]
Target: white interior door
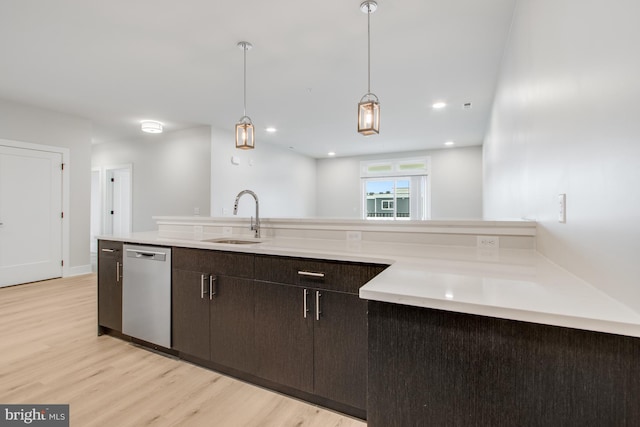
[
  {"x": 118, "y": 200},
  {"x": 30, "y": 215},
  {"x": 96, "y": 210}
]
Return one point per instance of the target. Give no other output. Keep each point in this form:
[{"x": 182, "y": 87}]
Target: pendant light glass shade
[
  {"x": 244, "y": 128},
  {"x": 369, "y": 115},
  {"x": 244, "y": 134},
  {"x": 369, "y": 105}
]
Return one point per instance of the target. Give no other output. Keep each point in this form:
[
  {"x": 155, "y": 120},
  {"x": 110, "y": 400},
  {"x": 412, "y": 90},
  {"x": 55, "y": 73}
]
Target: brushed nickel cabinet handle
[
  {"x": 212, "y": 290},
  {"x": 103, "y": 249},
  {"x": 310, "y": 274},
  {"x": 318, "y": 311},
  {"x": 304, "y": 304},
  {"x": 202, "y": 286},
  {"x": 117, "y": 271}
]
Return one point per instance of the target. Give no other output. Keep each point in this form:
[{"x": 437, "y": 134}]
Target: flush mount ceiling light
[
  {"x": 244, "y": 128},
  {"x": 449, "y": 143},
  {"x": 439, "y": 105},
  {"x": 271, "y": 129},
  {"x": 369, "y": 105},
  {"x": 151, "y": 126}
]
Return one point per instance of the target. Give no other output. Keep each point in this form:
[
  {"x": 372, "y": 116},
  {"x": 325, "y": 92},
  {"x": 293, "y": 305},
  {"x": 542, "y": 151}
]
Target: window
[
  {"x": 387, "y": 205},
  {"x": 395, "y": 189},
  {"x": 388, "y": 198}
]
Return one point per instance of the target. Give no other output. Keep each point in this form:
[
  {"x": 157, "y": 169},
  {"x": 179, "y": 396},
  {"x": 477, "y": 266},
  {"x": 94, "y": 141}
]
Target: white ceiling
[{"x": 118, "y": 62}]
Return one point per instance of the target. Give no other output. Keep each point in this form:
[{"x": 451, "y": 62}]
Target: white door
[
  {"x": 30, "y": 215},
  {"x": 96, "y": 211},
  {"x": 118, "y": 200}
]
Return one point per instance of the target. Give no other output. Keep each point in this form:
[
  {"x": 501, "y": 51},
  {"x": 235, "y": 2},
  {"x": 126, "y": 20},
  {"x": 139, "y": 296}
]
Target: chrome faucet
[{"x": 255, "y": 227}]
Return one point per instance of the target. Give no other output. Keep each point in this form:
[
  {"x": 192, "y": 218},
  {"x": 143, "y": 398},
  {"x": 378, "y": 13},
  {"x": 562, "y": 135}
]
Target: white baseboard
[{"x": 77, "y": 271}]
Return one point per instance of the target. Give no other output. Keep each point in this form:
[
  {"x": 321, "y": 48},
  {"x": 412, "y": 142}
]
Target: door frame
[{"x": 66, "y": 160}]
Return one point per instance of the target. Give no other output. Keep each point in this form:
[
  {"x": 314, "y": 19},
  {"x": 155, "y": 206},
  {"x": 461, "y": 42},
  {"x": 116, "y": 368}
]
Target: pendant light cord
[
  {"x": 244, "y": 48},
  {"x": 368, "y": 48}
]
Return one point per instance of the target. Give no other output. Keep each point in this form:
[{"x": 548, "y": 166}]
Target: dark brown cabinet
[
  {"x": 284, "y": 336},
  {"x": 109, "y": 285},
  {"x": 340, "y": 340},
  {"x": 324, "y": 352},
  {"x": 190, "y": 313},
  {"x": 315, "y": 329},
  {"x": 295, "y": 325},
  {"x": 231, "y": 323},
  {"x": 213, "y": 312}
]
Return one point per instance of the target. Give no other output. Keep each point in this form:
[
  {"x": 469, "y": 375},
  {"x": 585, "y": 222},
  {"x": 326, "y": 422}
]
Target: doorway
[{"x": 111, "y": 202}]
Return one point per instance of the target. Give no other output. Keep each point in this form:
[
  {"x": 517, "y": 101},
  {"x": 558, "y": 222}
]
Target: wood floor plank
[{"x": 50, "y": 353}]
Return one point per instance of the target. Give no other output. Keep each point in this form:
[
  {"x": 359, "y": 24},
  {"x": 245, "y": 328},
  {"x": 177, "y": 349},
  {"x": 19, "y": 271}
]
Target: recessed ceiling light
[
  {"x": 331, "y": 153},
  {"x": 151, "y": 126},
  {"x": 271, "y": 129},
  {"x": 439, "y": 105},
  {"x": 449, "y": 143}
]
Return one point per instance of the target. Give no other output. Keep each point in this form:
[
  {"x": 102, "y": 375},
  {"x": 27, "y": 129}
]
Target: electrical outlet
[
  {"x": 488, "y": 242},
  {"x": 196, "y": 211},
  {"x": 354, "y": 235}
]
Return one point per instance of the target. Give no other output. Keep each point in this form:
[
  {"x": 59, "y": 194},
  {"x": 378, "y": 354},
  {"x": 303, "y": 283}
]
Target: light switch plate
[{"x": 562, "y": 208}]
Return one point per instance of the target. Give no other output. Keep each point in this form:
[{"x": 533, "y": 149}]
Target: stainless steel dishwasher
[{"x": 146, "y": 294}]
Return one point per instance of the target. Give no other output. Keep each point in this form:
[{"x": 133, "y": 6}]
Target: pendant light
[
  {"x": 369, "y": 105},
  {"x": 244, "y": 128}
]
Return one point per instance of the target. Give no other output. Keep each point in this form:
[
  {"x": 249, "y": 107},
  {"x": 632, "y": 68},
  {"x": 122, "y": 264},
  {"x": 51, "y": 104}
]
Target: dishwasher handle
[{"x": 146, "y": 255}]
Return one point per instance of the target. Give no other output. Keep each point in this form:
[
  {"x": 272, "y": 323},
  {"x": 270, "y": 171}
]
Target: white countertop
[{"x": 516, "y": 284}]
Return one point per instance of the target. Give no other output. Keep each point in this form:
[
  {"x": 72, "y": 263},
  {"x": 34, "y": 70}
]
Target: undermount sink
[{"x": 230, "y": 241}]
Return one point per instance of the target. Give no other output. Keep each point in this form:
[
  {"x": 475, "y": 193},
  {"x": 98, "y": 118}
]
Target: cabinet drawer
[
  {"x": 314, "y": 273},
  {"x": 215, "y": 262},
  {"x": 108, "y": 249}
]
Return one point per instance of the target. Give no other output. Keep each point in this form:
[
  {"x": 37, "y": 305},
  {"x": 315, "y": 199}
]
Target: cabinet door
[
  {"x": 283, "y": 336},
  {"x": 340, "y": 343},
  {"x": 110, "y": 285},
  {"x": 190, "y": 313},
  {"x": 232, "y": 323}
]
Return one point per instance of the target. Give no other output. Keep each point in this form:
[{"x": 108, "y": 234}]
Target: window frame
[{"x": 414, "y": 170}]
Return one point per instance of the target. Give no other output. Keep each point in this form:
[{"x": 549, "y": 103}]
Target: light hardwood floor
[{"x": 50, "y": 353}]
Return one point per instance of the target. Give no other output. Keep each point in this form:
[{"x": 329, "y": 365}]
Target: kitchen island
[{"x": 462, "y": 334}]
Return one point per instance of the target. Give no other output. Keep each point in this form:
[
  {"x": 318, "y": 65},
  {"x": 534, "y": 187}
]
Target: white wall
[
  {"x": 566, "y": 119},
  {"x": 19, "y": 122},
  {"x": 283, "y": 180},
  {"x": 171, "y": 172},
  {"x": 456, "y": 183}
]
